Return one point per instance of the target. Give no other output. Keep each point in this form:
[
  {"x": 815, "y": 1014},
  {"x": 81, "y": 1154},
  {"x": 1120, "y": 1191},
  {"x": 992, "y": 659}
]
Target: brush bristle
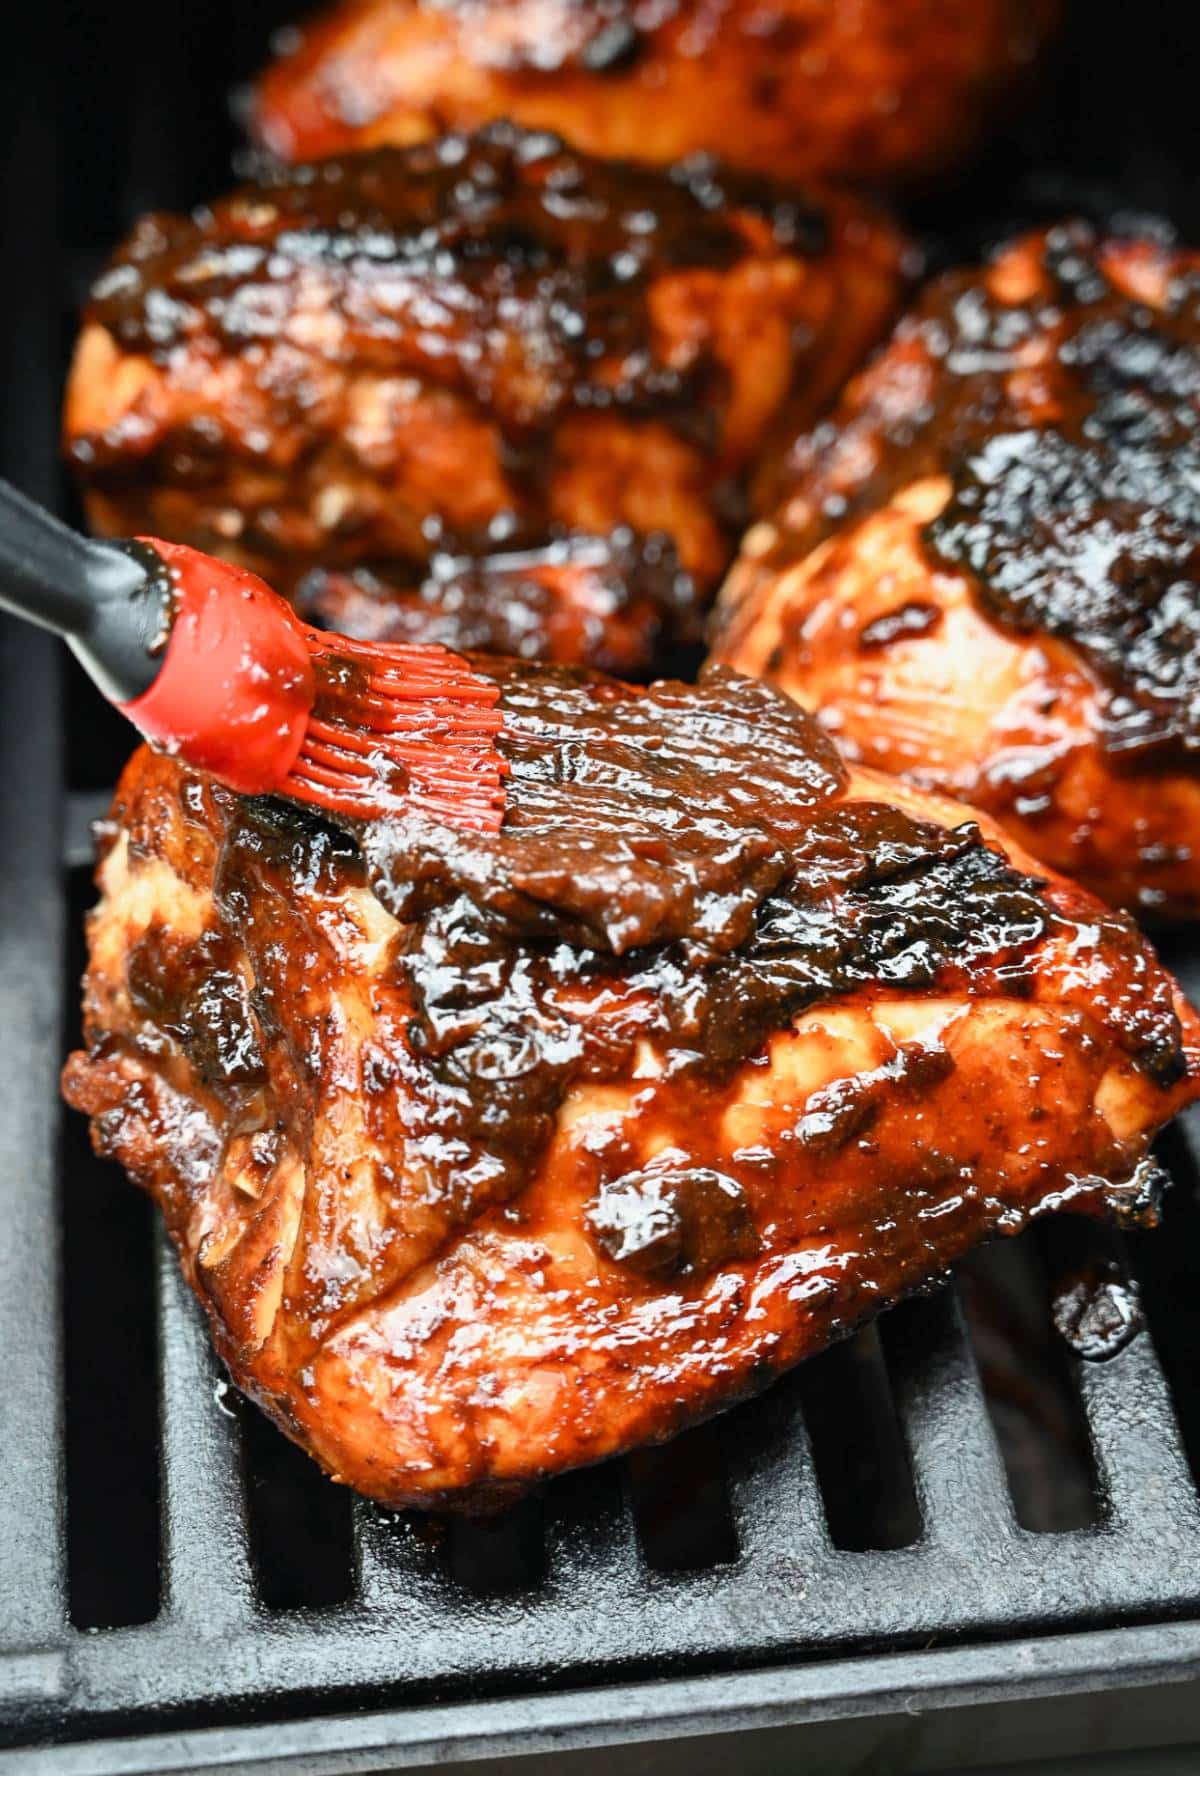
[{"x": 400, "y": 728}]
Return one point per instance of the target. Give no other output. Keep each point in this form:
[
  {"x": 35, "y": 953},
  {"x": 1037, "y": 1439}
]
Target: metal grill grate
[{"x": 890, "y": 1522}]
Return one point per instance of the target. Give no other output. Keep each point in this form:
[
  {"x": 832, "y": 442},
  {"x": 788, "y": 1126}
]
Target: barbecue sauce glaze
[
  {"x": 619, "y": 603},
  {"x": 1069, "y": 423},
  {"x": 522, "y": 269},
  {"x": 488, "y": 390},
  {"x": 680, "y": 872}
]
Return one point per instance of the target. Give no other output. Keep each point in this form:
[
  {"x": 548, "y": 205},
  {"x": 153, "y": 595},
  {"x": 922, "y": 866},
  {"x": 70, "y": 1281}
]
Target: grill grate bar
[
  {"x": 773, "y": 1484},
  {"x": 1140, "y": 1459},
  {"x": 206, "y": 1561},
  {"x": 590, "y": 1541},
  {"x": 396, "y": 1559},
  {"x": 32, "y": 1543},
  {"x": 957, "y": 1468},
  {"x": 32, "y": 1538}
]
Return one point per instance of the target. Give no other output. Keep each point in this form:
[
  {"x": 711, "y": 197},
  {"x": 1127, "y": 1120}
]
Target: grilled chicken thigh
[
  {"x": 876, "y": 90},
  {"x": 492, "y": 1156},
  {"x": 984, "y": 572},
  {"x": 482, "y": 346}
]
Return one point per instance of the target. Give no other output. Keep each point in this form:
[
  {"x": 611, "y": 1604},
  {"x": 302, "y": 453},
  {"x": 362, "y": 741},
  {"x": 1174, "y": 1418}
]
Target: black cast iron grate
[{"x": 952, "y": 1506}]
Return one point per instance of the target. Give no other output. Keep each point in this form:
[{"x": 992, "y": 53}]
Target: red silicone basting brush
[{"x": 211, "y": 665}]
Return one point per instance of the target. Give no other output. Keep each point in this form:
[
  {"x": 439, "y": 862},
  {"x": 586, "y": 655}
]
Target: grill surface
[{"x": 949, "y": 1511}]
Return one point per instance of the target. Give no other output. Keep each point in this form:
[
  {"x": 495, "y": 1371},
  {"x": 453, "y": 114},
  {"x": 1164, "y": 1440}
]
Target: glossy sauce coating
[
  {"x": 983, "y": 572},
  {"x": 617, "y": 602},
  {"x": 484, "y": 343},
  {"x": 491, "y": 1157},
  {"x": 875, "y": 90}
]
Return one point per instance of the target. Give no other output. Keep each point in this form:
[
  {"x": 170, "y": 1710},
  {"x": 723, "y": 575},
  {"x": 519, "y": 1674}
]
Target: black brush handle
[{"x": 111, "y": 601}]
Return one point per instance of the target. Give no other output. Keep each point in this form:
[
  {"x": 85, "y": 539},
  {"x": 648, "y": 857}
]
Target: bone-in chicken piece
[
  {"x": 489, "y": 1156},
  {"x": 473, "y": 346},
  {"x": 984, "y": 572},
  {"x": 874, "y": 90}
]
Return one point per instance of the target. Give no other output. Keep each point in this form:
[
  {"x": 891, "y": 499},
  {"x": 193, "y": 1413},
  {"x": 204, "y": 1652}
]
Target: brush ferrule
[
  {"x": 121, "y": 643},
  {"x": 108, "y": 600}
]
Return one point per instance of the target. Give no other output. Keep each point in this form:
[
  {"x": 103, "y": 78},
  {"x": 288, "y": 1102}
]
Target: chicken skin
[
  {"x": 856, "y": 90},
  {"x": 491, "y": 1156},
  {"x": 479, "y": 346},
  {"x": 983, "y": 572}
]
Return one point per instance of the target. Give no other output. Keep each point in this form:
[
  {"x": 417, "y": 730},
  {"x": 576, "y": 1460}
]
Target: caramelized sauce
[
  {"x": 670, "y": 1219},
  {"x": 621, "y": 602},
  {"x": 681, "y": 871},
  {"x": 1069, "y": 423},
  {"x": 1090, "y": 530},
  {"x": 190, "y": 990},
  {"x": 500, "y": 247}
]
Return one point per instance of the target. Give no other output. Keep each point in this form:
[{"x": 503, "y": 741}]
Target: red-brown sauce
[{"x": 681, "y": 868}]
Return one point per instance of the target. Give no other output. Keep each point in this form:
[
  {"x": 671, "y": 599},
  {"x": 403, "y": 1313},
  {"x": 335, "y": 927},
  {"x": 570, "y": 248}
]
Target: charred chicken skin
[
  {"x": 984, "y": 573},
  {"x": 479, "y": 346},
  {"x": 874, "y": 90},
  {"x": 493, "y": 1156}
]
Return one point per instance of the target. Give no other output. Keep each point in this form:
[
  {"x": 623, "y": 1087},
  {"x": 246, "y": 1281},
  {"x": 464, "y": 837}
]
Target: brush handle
[{"x": 111, "y": 601}]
